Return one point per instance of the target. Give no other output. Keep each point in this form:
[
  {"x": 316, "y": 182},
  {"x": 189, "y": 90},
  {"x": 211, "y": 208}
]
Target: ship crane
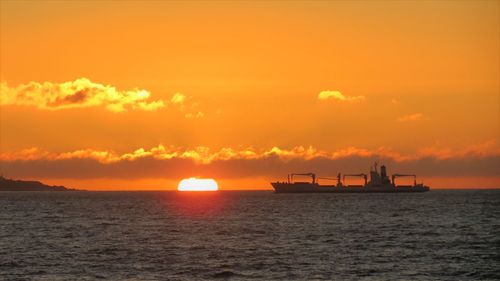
[
  {"x": 404, "y": 175},
  {"x": 355, "y": 175},
  {"x": 312, "y": 175},
  {"x": 333, "y": 179}
]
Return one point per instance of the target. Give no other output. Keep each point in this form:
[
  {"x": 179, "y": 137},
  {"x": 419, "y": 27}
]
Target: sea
[{"x": 249, "y": 235}]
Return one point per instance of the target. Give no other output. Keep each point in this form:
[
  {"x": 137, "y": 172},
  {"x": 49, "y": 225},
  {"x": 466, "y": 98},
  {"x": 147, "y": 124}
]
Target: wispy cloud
[
  {"x": 166, "y": 162},
  {"x": 411, "y": 117},
  {"x": 336, "y": 95},
  {"x": 205, "y": 155},
  {"x": 178, "y": 98},
  {"x": 187, "y": 105},
  {"x": 193, "y": 115},
  {"x": 79, "y": 93}
]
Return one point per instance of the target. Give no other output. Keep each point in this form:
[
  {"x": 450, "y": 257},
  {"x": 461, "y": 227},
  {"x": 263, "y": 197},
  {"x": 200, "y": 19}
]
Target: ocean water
[{"x": 439, "y": 235}]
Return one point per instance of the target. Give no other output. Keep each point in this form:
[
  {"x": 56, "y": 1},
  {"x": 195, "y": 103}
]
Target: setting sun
[{"x": 194, "y": 184}]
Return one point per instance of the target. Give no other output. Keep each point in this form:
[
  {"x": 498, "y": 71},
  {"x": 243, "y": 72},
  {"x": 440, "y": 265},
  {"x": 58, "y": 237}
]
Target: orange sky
[{"x": 138, "y": 95}]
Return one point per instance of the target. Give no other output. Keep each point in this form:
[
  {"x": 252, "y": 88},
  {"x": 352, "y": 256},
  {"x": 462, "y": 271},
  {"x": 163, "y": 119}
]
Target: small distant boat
[{"x": 378, "y": 183}]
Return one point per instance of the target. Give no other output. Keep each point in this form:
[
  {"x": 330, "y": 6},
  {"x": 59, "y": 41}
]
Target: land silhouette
[{"x": 21, "y": 185}]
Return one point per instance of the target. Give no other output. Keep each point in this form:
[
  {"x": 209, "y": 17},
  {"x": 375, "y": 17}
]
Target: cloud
[
  {"x": 199, "y": 154},
  {"x": 336, "y": 95},
  {"x": 205, "y": 155},
  {"x": 187, "y": 105},
  {"x": 192, "y": 115},
  {"x": 481, "y": 159},
  {"x": 483, "y": 149},
  {"x": 83, "y": 93},
  {"x": 178, "y": 98},
  {"x": 80, "y": 93},
  {"x": 202, "y": 155},
  {"x": 411, "y": 117}
]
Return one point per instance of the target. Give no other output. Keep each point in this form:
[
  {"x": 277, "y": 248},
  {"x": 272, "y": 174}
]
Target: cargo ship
[{"x": 378, "y": 183}]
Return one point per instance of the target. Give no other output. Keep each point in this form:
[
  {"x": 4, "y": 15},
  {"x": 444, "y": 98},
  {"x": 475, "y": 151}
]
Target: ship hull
[{"x": 280, "y": 187}]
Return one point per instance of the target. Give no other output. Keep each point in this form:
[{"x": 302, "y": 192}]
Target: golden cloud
[
  {"x": 411, "y": 117},
  {"x": 193, "y": 115},
  {"x": 336, "y": 95},
  {"x": 80, "y": 93},
  {"x": 178, "y": 98},
  {"x": 484, "y": 149},
  {"x": 204, "y": 155},
  {"x": 480, "y": 160},
  {"x": 186, "y": 105}
]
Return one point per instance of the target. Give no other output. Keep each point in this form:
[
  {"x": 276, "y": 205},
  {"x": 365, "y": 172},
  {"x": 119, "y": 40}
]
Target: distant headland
[{"x": 20, "y": 185}]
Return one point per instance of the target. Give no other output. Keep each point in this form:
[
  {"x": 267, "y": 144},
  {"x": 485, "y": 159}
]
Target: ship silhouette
[{"x": 379, "y": 182}]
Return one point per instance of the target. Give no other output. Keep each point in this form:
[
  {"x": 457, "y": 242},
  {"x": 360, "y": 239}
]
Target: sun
[{"x": 194, "y": 184}]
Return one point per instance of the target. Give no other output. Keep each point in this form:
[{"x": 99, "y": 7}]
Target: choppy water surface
[{"x": 442, "y": 235}]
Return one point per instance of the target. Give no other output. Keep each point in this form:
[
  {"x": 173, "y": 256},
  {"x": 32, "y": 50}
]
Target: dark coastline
[{"x": 21, "y": 185}]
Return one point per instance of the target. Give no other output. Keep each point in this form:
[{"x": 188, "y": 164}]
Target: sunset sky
[{"x": 139, "y": 95}]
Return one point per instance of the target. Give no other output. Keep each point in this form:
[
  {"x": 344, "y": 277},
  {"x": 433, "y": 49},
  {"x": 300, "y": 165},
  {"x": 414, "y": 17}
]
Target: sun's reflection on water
[{"x": 196, "y": 204}]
